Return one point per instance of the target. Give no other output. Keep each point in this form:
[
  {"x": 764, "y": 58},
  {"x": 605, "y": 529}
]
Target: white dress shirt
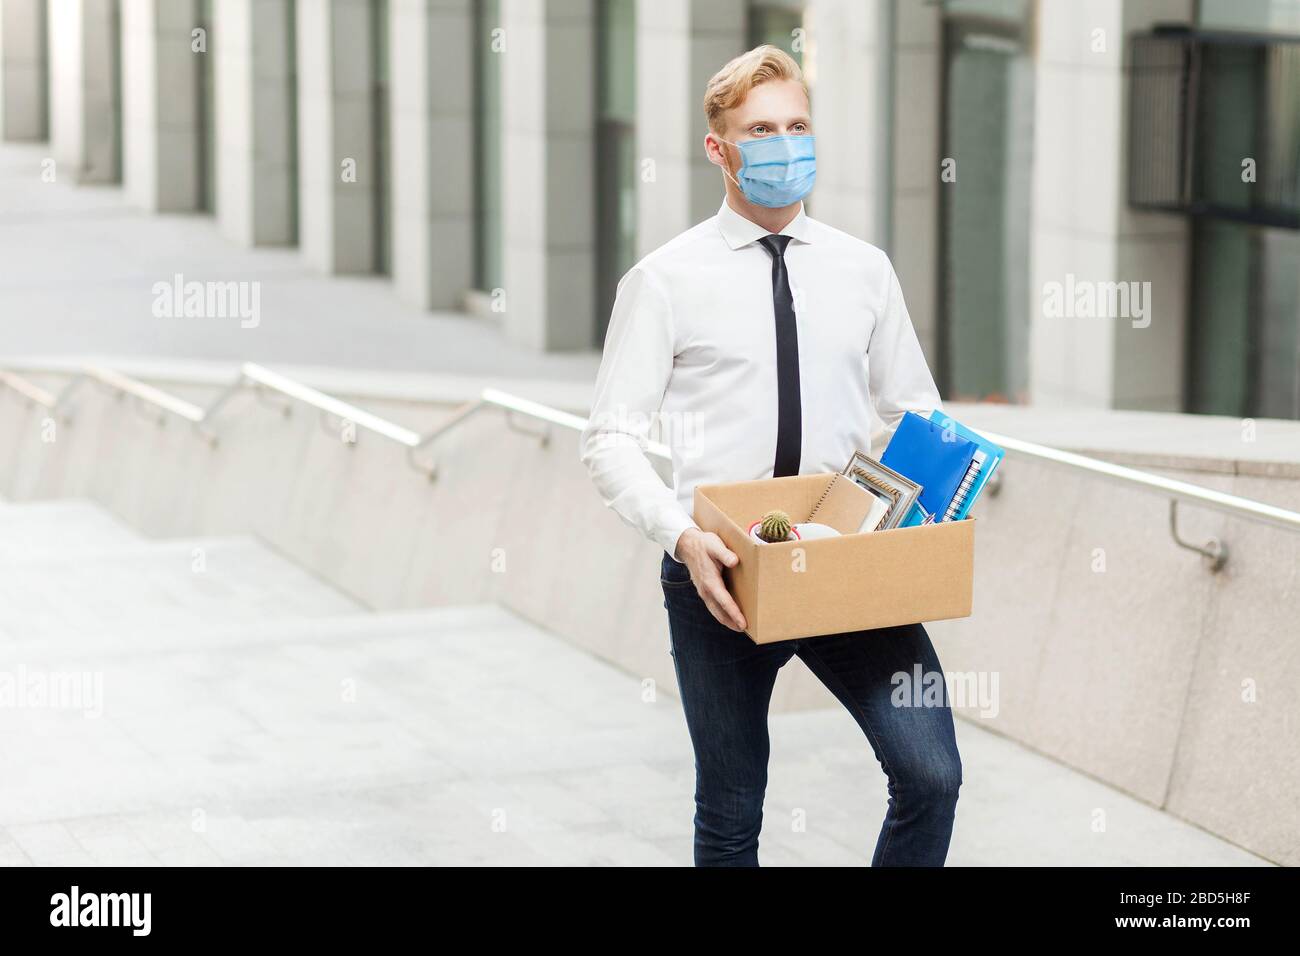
[{"x": 690, "y": 360}]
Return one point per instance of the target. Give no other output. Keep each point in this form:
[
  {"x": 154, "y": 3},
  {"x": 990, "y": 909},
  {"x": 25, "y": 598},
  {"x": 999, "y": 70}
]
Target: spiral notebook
[
  {"x": 983, "y": 465},
  {"x": 847, "y": 508},
  {"x": 936, "y": 458}
]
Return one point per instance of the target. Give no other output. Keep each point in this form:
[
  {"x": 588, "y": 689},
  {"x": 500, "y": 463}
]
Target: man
[{"x": 762, "y": 341}]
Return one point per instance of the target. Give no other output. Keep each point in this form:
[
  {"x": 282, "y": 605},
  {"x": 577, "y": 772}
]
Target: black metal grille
[{"x": 1204, "y": 105}]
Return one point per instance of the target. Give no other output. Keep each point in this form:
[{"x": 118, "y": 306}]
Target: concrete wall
[{"x": 1115, "y": 651}]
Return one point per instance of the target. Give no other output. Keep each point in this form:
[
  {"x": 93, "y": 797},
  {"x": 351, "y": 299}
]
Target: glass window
[
  {"x": 379, "y": 84},
  {"x": 616, "y": 163},
  {"x": 291, "y": 93},
  {"x": 1220, "y": 336},
  {"x": 112, "y": 44},
  {"x": 778, "y": 22},
  {"x": 1243, "y": 346},
  {"x": 1277, "y": 365},
  {"x": 488, "y": 244},
  {"x": 207, "y": 115},
  {"x": 1256, "y": 16},
  {"x": 988, "y": 132}
]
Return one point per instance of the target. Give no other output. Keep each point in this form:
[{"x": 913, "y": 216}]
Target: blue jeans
[{"x": 726, "y": 680}]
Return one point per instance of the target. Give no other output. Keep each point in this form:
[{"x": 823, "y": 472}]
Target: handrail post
[
  {"x": 65, "y": 394},
  {"x": 461, "y": 413},
  {"x": 1214, "y": 550}
]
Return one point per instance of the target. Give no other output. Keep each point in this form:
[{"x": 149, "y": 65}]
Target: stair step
[
  {"x": 437, "y": 625},
  {"x": 302, "y": 708},
  {"x": 62, "y": 526},
  {"x": 153, "y": 585}
]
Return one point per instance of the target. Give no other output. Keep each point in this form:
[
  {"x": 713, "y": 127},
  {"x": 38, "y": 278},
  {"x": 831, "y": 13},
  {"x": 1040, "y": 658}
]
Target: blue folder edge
[
  {"x": 919, "y": 451},
  {"x": 994, "y": 452}
]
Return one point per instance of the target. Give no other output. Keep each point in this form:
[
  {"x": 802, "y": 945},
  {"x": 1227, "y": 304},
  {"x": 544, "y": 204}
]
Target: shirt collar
[{"x": 739, "y": 231}]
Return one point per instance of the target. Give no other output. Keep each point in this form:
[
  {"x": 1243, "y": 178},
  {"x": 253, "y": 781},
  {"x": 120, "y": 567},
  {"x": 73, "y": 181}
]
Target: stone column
[
  {"x": 549, "y": 169},
  {"x": 23, "y": 99},
  {"x": 849, "y": 63},
  {"x": 680, "y": 45},
  {"x": 337, "y": 178},
  {"x": 432, "y": 63},
  {"x": 161, "y": 119},
  {"x": 85, "y": 102},
  {"x": 256, "y": 137},
  {"x": 915, "y": 136}
]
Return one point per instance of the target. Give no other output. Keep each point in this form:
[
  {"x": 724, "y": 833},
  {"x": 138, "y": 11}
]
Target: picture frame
[{"x": 896, "y": 491}]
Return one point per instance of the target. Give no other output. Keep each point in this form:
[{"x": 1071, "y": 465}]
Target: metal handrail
[
  {"x": 29, "y": 390},
  {"x": 329, "y": 404},
  {"x": 144, "y": 392},
  {"x": 533, "y": 409},
  {"x": 1173, "y": 490},
  {"x": 556, "y": 417}
]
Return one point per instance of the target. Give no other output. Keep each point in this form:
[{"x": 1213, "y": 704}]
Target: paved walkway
[
  {"x": 81, "y": 263},
  {"x": 475, "y": 739},
  {"x": 247, "y": 713}
]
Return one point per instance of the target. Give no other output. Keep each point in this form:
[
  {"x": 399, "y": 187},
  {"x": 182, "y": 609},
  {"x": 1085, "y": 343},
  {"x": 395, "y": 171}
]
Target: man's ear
[{"x": 713, "y": 148}]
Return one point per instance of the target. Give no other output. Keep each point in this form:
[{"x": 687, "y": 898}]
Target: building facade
[{"x": 1088, "y": 203}]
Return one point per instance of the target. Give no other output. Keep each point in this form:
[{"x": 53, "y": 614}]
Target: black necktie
[{"x": 789, "y": 416}]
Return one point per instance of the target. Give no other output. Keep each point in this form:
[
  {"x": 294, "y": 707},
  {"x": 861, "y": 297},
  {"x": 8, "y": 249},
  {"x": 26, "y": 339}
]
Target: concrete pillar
[
  {"x": 256, "y": 138},
  {"x": 1081, "y": 224},
  {"x": 85, "y": 101},
  {"x": 23, "y": 98},
  {"x": 432, "y": 62},
  {"x": 913, "y": 237},
  {"x": 549, "y": 168},
  {"x": 680, "y": 45},
  {"x": 161, "y": 119},
  {"x": 848, "y": 63},
  {"x": 337, "y": 175}
]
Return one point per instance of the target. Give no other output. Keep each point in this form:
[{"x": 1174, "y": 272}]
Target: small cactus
[{"x": 775, "y": 526}]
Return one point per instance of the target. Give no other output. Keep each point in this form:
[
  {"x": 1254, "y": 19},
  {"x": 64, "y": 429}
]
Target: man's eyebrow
[{"x": 767, "y": 122}]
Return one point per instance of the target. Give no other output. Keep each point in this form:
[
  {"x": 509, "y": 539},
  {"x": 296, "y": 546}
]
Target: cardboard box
[{"x": 854, "y": 582}]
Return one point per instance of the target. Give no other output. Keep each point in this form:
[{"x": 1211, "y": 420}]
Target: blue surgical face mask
[{"x": 775, "y": 171}]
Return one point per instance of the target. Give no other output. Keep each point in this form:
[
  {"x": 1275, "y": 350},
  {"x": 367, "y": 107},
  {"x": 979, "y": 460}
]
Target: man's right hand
[{"x": 705, "y": 555}]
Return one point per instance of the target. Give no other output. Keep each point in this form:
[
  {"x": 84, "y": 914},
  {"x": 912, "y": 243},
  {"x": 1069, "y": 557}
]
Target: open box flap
[
  {"x": 744, "y": 502},
  {"x": 827, "y": 499}
]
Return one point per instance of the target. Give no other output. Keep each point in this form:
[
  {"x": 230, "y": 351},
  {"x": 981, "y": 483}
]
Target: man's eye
[{"x": 759, "y": 130}]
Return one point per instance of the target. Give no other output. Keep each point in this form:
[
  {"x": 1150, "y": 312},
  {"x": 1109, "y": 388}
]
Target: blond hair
[{"x": 731, "y": 84}]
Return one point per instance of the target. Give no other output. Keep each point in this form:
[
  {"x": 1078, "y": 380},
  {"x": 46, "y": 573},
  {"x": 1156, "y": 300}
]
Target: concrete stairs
[{"x": 208, "y": 701}]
